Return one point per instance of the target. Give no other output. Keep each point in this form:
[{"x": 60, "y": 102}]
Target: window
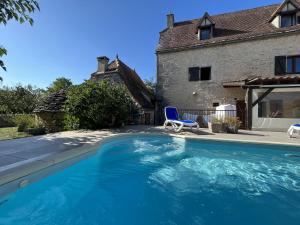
[
  {"x": 271, "y": 108},
  {"x": 194, "y": 74},
  {"x": 288, "y": 20},
  {"x": 280, "y": 104},
  {"x": 298, "y": 19},
  {"x": 297, "y": 64},
  {"x": 280, "y": 65},
  {"x": 276, "y": 108},
  {"x": 206, "y": 73},
  {"x": 262, "y": 109},
  {"x": 293, "y": 64},
  {"x": 287, "y": 65},
  {"x": 216, "y": 104},
  {"x": 205, "y": 33}
]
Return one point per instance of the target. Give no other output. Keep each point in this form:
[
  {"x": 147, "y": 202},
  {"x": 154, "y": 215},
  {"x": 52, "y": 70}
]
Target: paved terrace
[{"x": 22, "y": 157}]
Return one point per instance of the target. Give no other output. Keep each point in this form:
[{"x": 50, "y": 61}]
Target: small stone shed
[{"x": 51, "y": 112}]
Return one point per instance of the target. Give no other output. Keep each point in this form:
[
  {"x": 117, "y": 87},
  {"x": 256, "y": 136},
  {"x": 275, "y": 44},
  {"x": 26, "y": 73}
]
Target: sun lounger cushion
[{"x": 172, "y": 114}]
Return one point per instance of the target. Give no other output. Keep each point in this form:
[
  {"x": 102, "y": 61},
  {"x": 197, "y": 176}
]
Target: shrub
[
  {"x": 7, "y": 120},
  {"x": 22, "y": 127},
  {"x": 232, "y": 121},
  {"x": 71, "y": 122},
  {"x": 216, "y": 120},
  {"x": 36, "y": 131},
  {"x": 96, "y": 105},
  {"x": 24, "y": 121},
  {"x": 29, "y": 124}
]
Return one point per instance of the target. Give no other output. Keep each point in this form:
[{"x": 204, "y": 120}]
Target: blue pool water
[{"x": 157, "y": 180}]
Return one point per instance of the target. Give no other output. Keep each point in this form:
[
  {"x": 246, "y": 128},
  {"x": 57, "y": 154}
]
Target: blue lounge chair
[
  {"x": 293, "y": 129},
  {"x": 172, "y": 118}
]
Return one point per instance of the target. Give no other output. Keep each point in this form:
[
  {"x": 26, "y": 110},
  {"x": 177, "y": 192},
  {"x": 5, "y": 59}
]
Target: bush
[
  {"x": 22, "y": 127},
  {"x": 7, "y": 120},
  {"x": 36, "y": 131},
  {"x": 232, "y": 121},
  {"x": 96, "y": 105},
  {"x": 19, "y": 99},
  {"x": 71, "y": 122},
  {"x": 217, "y": 120},
  {"x": 29, "y": 124},
  {"x": 24, "y": 121}
]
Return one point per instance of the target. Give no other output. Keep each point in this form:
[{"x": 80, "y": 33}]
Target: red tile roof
[
  {"x": 277, "y": 80},
  {"x": 229, "y": 27}
]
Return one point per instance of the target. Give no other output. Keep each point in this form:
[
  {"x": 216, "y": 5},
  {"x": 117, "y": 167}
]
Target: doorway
[{"x": 241, "y": 112}]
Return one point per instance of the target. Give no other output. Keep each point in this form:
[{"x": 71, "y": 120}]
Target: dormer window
[
  {"x": 205, "y": 33},
  {"x": 288, "y": 20},
  {"x": 288, "y": 7},
  {"x": 285, "y": 15},
  {"x": 205, "y": 27}
]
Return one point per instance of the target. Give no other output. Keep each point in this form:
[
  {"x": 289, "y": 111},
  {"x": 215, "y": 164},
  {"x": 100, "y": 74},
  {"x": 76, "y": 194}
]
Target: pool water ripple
[{"x": 165, "y": 180}]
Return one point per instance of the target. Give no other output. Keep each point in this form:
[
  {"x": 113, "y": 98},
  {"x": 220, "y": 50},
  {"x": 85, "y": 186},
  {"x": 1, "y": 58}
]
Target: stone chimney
[
  {"x": 170, "y": 20},
  {"x": 102, "y": 64}
]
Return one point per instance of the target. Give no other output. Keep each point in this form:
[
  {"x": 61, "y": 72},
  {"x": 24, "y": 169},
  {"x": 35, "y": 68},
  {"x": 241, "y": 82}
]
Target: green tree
[
  {"x": 19, "y": 99},
  {"x": 58, "y": 84},
  {"x": 18, "y": 10},
  {"x": 150, "y": 84},
  {"x": 95, "y": 105}
]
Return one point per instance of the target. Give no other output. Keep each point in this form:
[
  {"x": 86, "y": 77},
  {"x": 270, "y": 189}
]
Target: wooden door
[
  {"x": 147, "y": 119},
  {"x": 241, "y": 112}
]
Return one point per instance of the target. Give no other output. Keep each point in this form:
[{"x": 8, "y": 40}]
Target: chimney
[
  {"x": 170, "y": 20},
  {"x": 102, "y": 64}
]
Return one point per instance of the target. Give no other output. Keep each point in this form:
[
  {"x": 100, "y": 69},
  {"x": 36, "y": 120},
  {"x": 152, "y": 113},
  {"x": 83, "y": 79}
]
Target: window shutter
[
  {"x": 194, "y": 74},
  {"x": 280, "y": 65}
]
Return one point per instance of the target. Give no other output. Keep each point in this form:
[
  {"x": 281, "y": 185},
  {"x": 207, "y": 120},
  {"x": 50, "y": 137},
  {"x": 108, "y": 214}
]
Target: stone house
[
  {"x": 119, "y": 73},
  {"x": 250, "y": 58},
  {"x": 51, "y": 111}
]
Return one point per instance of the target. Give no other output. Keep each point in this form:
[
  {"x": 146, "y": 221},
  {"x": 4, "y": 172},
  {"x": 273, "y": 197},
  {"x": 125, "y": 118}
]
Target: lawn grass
[{"x": 8, "y": 133}]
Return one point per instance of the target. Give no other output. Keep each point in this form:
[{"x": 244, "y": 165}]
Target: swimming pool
[{"x": 166, "y": 180}]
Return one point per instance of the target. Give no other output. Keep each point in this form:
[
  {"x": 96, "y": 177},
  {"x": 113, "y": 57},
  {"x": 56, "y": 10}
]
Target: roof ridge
[
  {"x": 228, "y": 13},
  {"x": 247, "y": 10}
]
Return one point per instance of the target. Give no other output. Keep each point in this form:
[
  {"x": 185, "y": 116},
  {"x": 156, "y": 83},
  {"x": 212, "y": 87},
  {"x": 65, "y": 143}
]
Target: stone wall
[
  {"x": 113, "y": 78},
  {"x": 229, "y": 62},
  {"x": 53, "y": 121}
]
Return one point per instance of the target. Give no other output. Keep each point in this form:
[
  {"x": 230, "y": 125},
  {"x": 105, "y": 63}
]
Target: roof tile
[{"x": 241, "y": 25}]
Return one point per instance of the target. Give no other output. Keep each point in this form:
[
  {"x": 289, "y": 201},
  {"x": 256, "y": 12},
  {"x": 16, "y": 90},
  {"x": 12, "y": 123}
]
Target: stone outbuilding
[
  {"x": 118, "y": 73},
  {"x": 51, "y": 112}
]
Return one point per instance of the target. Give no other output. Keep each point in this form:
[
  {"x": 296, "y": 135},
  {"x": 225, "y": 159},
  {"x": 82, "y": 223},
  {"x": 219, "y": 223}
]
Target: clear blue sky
[{"x": 68, "y": 35}]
